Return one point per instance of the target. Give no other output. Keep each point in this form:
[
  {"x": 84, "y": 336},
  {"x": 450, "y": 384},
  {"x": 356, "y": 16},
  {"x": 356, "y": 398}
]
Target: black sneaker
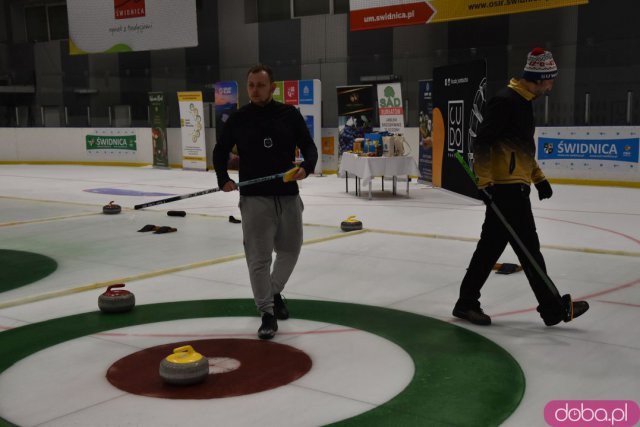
[
  {"x": 280, "y": 307},
  {"x": 473, "y": 315},
  {"x": 269, "y": 327}
]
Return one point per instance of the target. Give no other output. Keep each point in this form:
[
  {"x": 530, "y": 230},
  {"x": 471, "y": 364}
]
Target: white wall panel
[{"x": 238, "y": 44}]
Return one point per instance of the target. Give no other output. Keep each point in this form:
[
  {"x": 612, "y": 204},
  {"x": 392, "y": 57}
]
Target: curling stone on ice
[
  {"x": 111, "y": 209},
  {"x": 184, "y": 367},
  {"x": 351, "y": 224},
  {"x": 116, "y": 300}
]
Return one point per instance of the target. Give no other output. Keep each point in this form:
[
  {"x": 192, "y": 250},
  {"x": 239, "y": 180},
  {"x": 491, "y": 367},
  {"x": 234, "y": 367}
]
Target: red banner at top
[{"x": 391, "y": 16}]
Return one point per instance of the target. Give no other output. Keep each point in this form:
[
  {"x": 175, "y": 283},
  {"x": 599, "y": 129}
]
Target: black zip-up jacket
[{"x": 266, "y": 138}]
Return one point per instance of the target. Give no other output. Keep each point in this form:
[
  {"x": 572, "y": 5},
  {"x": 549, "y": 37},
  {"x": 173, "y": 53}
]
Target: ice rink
[{"x": 362, "y": 303}]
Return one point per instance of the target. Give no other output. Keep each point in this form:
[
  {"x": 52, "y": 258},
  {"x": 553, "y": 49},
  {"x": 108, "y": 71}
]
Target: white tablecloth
[{"x": 368, "y": 167}]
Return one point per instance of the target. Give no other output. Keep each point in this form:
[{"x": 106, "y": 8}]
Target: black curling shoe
[
  {"x": 280, "y": 307},
  {"x": 269, "y": 327},
  {"x": 570, "y": 310},
  {"x": 473, "y": 315}
]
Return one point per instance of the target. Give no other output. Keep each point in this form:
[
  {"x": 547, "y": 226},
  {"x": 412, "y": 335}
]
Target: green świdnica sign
[{"x": 106, "y": 142}]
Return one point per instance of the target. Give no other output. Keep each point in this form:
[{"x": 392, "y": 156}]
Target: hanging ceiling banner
[
  {"x": 372, "y": 14},
  {"x": 111, "y": 26}
]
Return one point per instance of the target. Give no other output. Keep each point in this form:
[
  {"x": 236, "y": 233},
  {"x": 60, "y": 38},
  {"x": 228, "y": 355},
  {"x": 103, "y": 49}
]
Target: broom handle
[{"x": 210, "y": 190}]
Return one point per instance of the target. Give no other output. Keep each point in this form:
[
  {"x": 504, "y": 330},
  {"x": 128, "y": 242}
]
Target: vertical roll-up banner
[
  {"x": 158, "y": 130},
  {"x": 310, "y": 106},
  {"x": 194, "y": 154},
  {"x": 458, "y": 99},
  {"x": 291, "y": 92},
  {"x": 306, "y": 96},
  {"x": 226, "y": 100},
  {"x": 278, "y": 93},
  {"x": 390, "y": 109},
  {"x": 355, "y": 114},
  {"x": 425, "y": 126}
]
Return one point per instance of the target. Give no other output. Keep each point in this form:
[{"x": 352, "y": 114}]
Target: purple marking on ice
[{"x": 121, "y": 192}]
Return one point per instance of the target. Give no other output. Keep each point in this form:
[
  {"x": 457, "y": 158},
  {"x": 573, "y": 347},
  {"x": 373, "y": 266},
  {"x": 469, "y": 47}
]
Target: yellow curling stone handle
[
  {"x": 184, "y": 354},
  {"x": 352, "y": 218}
]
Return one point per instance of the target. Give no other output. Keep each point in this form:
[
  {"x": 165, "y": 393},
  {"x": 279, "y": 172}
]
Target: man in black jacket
[
  {"x": 505, "y": 163},
  {"x": 266, "y": 134}
]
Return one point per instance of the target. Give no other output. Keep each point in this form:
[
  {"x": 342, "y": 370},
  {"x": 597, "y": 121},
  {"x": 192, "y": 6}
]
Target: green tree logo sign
[{"x": 390, "y": 99}]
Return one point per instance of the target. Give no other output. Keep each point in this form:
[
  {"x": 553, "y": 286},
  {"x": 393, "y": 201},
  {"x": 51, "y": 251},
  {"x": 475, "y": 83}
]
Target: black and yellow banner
[{"x": 457, "y": 104}]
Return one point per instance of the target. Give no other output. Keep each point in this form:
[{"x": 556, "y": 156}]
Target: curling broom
[{"x": 286, "y": 177}]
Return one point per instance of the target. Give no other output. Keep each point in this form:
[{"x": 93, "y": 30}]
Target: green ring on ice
[
  {"x": 460, "y": 378},
  {"x": 19, "y": 268}
]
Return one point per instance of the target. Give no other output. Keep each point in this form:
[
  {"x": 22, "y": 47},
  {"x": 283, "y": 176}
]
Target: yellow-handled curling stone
[
  {"x": 351, "y": 224},
  {"x": 184, "y": 367},
  {"x": 116, "y": 300}
]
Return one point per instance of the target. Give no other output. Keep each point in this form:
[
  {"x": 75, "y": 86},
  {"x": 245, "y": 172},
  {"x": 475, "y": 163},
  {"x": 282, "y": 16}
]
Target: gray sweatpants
[{"x": 270, "y": 223}]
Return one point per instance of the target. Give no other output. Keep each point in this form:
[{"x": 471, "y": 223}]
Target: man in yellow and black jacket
[{"x": 505, "y": 163}]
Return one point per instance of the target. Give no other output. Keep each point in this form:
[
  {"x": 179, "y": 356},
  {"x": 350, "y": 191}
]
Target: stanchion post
[{"x": 587, "y": 108}]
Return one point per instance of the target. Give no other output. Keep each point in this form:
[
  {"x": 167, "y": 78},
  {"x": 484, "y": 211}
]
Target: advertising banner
[
  {"x": 110, "y": 143},
  {"x": 372, "y": 14},
  {"x": 278, "y": 93},
  {"x": 108, "y": 26},
  {"x": 425, "y": 120},
  {"x": 306, "y": 96},
  {"x": 355, "y": 114},
  {"x": 390, "y": 108},
  {"x": 306, "y": 93},
  {"x": 459, "y": 97},
  {"x": 226, "y": 101},
  {"x": 159, "y": 130},
  {"x": 369, "y": 15},
  {"x": 328, "y": 146},
  {"x": 329, "y": 157},
  {"x": 615, "y": 150},
  {"x": 453, "y": 10},
  {"x": 596, "y": 153},
  {"x": 194, "y": 154},
  {"x": 291, "y": 92}
]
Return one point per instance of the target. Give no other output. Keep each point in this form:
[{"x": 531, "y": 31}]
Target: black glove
[
  {"x": 486, "y": 194},
  {"x": 544, "y": 190}
]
